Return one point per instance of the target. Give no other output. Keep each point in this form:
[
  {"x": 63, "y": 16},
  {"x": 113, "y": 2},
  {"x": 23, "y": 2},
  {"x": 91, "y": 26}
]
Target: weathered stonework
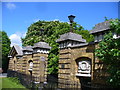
[
  {"x": 68, "y": 63},
  {"x": 77, "y": 61},
  {"x": 21, "y": 63},
  {"x": 69, "y": 58},
  {"x": 40, "y": 66}
]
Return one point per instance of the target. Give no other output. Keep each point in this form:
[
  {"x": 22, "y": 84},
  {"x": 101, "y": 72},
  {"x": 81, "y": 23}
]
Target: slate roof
[
  {"x": 101, "y": 27},
  {"x": 41, "y": 45},
  {"x": 71, "y": 36},
  {"x": 18, "y": 49},
  {"x": 27, "y": 48}
]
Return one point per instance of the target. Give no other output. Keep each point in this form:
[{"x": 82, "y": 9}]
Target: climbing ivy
[{"x": 109, "y": 53}]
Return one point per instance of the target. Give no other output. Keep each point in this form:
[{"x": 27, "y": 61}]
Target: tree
[
  {"x": 42, "y": 31},
  {"x": 49, "y": 31},
  {"x": 5, "y": 49},
  {"x": 86, "y": 35},
  {"x": 109, "y": 53}
]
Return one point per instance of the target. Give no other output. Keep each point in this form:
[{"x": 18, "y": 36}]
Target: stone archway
[{"x": 30, "y": 65}]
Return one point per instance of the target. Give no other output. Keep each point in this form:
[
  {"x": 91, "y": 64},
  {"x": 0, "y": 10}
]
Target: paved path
[{"x": 3, "y": 74}]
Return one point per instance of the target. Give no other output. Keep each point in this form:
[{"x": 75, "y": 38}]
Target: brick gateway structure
[{"x": 77, "y": 61}]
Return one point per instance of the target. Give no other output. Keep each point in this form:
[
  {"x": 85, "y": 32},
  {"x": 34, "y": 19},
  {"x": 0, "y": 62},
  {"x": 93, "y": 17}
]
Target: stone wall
[
  {"x": 68, "y": 65},
  {"x": 68, "y": 62},
  {"x": 21, "y": 65},
  {"x": 25, "y": 63},
  {"x": 40, "y": 66}
]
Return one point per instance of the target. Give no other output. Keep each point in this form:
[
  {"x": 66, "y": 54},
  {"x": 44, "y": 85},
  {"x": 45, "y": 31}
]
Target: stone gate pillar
[
  {"x": 40, "y": 60},
  {"x": 67, "y": 63}
]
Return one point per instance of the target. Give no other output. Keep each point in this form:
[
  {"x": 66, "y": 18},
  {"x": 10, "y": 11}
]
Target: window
[
  {"x": 96, "y": 38},
  {"x": 62, "y": 45},
  {"x": 103, "y": 35},
  {"x": 65, "y": 44},
  {"x": 100, "y": 38},
  {"x": 69, "y": 43},
  {"x": 27, "y": 52},
  {"x": 72, "y": 43}
]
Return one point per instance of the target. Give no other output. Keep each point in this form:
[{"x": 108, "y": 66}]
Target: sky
[{"x": 18, "y": 16}]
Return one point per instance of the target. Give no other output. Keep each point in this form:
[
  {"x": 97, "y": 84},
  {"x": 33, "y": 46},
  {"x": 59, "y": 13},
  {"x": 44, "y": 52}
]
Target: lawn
[{"x": 11, "y": 83}]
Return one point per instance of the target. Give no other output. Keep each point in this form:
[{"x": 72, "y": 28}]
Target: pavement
[{"x": 3, "y": 74}]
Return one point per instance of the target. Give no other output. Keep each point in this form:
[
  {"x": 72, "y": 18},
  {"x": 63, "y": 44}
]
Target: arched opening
[
  {"x": 14, "y": 65},
  {"x": 30, "y": 66}
]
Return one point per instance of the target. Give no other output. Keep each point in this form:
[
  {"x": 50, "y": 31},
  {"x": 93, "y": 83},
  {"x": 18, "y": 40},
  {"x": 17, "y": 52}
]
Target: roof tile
[{"x": 71, "y": 36}]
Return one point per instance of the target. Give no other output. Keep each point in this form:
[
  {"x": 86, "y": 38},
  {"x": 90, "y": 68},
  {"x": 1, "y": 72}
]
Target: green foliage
[
  {"x": 53, "y": 58},
  {"x": 43, "y": 30},
  {"x": 49, "y": 31},
  {"x": 109, "y": 53},
  {"x": 5, "y": 49},
  {"x": 115, "y": 25},
  {"x": 86, "y": 35}
]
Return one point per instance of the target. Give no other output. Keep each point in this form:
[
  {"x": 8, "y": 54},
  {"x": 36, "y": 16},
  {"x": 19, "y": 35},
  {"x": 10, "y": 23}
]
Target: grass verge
[{"x": 11, "y": 83}]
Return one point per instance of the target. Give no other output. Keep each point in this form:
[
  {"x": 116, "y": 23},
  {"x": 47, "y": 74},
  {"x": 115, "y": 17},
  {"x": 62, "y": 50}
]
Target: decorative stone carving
[{"x": 84, "y": 69}]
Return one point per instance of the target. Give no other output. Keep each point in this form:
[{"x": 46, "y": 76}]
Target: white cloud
[
  {"x": 10, "y": 6},
  {"x": 24, "y": 34},
  {"x": 21, "y": 34},
  {"x": 16, "y": 38}
]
